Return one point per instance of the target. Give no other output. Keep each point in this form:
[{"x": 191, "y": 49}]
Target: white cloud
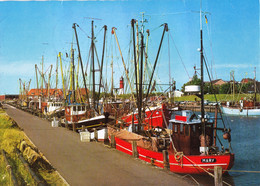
[{"x": 236, "y": 66}]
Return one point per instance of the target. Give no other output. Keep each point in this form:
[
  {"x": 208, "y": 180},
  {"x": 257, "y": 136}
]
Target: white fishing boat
[{"x": 244, "y": 108}]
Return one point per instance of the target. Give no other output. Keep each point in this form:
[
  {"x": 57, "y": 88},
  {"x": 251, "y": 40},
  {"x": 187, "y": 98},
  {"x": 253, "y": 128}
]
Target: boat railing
[{"x": 255, "y": 107}]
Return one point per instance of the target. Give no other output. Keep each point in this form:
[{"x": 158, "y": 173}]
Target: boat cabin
[
  {"x": 75, "y": 112},
  {"x": 53, "y": 106},
  {"x": 186, "y": 132}
]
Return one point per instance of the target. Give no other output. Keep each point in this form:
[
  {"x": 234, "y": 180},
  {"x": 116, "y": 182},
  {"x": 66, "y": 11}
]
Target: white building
[{"x": 177, "y": 93}]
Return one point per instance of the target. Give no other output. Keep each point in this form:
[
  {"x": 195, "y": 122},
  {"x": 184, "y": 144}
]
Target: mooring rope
[{"x": 247, "y": 171}]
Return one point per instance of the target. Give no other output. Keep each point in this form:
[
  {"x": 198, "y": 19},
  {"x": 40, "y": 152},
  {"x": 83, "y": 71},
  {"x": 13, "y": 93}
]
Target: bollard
[
  {"x": 218, "y": 176},
  {"x": 166, "y": 164},
  {"x": 134, "y": 149}
]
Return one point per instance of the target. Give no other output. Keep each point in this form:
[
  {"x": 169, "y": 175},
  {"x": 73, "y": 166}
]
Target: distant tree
[
  {"x": 224, "y": 89},
  {"x": 194, "y": 81},
  {"x": 208, "y": 89},
  {"x": 245, "y": 87}
]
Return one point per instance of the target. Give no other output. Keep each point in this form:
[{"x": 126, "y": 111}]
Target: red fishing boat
[
  {"x": 193, "y": 152},
  {"x": 188, "y": 142}
]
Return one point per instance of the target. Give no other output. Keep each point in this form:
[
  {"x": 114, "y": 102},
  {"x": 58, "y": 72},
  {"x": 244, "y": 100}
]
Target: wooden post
[
  {"x": 218, "y": 175},
  {"x": 106, "y": 137},
  {"x": 133, "y": 122},
  {"x": 115, "y": 117},
  {"x": 152, "y": 161},
  {"x": 215, "y": 125},
  {"x": 166, "y": 164},
  {"x": 9, "y": 169},
  {"x": 113, "y": 141},
  {"x": 74, "y": 127},
  {"x": 96, "y": 134},
  {"x": 134, "y": 149},
  {"x": 66, "y": 124}
]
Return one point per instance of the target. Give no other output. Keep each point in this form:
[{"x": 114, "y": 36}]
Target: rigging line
[
  {"x": 88, "y": 60},
  {"x": 169, "y": 54},
  {"x": 83, "y": 31},
  {"x": 179, "y": 55},
  {"x": 156, "y": 28},
  {"x": 211, "y": 86},
  {"x": 176, "y": 13},
  {"x": 99, "y": 32}
]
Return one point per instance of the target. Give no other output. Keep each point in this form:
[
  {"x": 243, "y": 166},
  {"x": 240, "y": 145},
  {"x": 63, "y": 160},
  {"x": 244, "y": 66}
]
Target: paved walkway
[{"x": 88, "y": 163}]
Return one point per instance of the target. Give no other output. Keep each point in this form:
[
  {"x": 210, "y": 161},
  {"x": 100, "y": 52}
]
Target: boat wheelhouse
[
  {"x": 186, "y": 132},
  {"x": 75, "y": 112}
]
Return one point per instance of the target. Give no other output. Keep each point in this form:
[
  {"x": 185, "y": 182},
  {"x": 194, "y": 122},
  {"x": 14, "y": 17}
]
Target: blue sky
[{"x": 29, "y": 30}]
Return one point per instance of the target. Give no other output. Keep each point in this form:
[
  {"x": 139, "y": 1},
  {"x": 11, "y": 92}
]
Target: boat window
[
  {"x": 175, "y": 128},
  {"x": 74, "y": 108},
  {"x": 79, "y": 108},
  {"x": 187, "y": 130},
  {"x": 181, "y": 128}
]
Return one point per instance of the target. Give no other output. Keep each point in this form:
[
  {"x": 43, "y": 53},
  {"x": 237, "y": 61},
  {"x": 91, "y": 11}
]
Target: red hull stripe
[
  {"x": 189, "y": 164},
  {"x": 201, "y": 165}
]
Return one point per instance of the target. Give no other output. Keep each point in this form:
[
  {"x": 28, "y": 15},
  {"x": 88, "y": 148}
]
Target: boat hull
[
  {"x": 196, "y": 164},
  {"x": 190, "y": 164},
  {"x": 240, "y": 112}
]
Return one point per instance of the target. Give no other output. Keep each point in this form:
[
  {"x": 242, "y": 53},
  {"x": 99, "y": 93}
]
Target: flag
[{"x": 206, "y": 19}]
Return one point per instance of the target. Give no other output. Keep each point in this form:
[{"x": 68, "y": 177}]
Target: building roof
[
  {"x": 247, "y": 80},
  {"x": 44, "y": 92}
]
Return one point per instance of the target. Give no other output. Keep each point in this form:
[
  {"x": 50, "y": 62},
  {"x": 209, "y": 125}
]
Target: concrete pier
[{"x": 88, "y": 163}]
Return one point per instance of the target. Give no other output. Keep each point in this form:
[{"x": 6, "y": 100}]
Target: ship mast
[
  {"x": 255, "y": 84},
  {"x": 83, "y": 75},
  {"x": 201, "y": 74},
  {"x": 93, "y": 64}
]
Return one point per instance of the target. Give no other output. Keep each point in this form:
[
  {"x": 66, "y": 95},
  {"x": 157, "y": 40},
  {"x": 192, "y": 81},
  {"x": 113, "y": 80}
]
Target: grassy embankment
[
  {"x": 10, "y": 138},
  {"x": 220, "y": 97}
]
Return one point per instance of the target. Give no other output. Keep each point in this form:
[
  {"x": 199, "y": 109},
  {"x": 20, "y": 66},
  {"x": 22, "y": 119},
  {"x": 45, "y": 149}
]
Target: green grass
[
  {"x": 220, "y": 97},
  {"x": 10, "y": 138}
]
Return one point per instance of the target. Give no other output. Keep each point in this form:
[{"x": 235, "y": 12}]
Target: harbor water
[{"x": 246, "y": 146}]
